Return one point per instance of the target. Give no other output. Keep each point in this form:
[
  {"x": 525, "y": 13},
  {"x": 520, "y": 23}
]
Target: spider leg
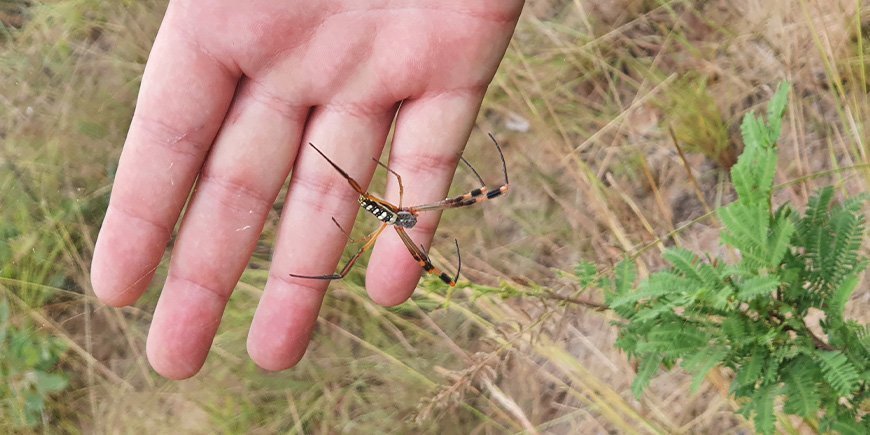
[
  {"x": 501, "y": 156},
  {"x": 349, "y": 238},
  {"x": 476, "y": 174},
  {"x": 482, "y": 193},
  {"x": 424, "y": 261},
  {"x": 398, "y": 177},
  {"x": 346, "y": 233},
  {"x": 350, "y": 180},
  {"x": 470, "y": 198},
  {"x": 458, "y": 260},
  {"x": 370, "y": 241}
]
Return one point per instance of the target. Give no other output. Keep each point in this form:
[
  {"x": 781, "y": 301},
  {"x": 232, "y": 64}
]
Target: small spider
[{"x": 402, "y": 218}]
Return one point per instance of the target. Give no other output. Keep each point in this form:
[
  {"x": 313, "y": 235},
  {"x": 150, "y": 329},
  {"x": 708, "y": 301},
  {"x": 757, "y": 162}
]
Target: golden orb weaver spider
[{"x": 402, "y": 218}]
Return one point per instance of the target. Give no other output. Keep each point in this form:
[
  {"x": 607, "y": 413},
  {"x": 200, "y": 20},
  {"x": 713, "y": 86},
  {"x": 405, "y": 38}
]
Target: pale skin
[{"x": 232, "y": 92}]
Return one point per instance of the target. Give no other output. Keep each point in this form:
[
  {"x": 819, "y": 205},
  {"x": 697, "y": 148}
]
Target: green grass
[{"x": 595, "y": 176}]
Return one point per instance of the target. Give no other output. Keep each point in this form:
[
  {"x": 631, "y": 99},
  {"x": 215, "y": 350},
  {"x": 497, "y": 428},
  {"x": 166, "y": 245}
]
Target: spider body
[
  {"x": 402, "y": 218},
  {"x": 381, "y": 211},
  {"x": 388, "y": 214},
  {"x": 405, "y": 219}
]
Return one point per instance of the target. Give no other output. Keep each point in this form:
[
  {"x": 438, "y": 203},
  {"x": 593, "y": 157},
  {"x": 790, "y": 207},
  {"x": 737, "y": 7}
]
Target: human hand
[{"x": 230, "y": 92}]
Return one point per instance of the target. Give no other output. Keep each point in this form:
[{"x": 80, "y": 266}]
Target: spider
[{"x": 403, "y": 218}]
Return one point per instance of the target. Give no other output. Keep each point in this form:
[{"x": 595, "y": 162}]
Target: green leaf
[
  {"x": 837, "y": 303},
  {"x": 801, "y": 391},
  {"x": 778, "y": 241},
  {"x": 839, "y": 372},
  {"x": 765, "y": 419},
  {"x": 684, "y": 261},
  {"x": 775, "y": 111},
  {"x": 746, "y": 230},
  {"x": 625, "y": 275},
  {"x": 658, "y": 285},
  {"x": 752, "y": 130},
  {"x": 701, "y": 363},
  {"x": 757, "y": 286},
  {"x": 862, "y": 332},
  {"x": 719, "y": 299},
  {"x": 652, "y": 313},
  {"x": 587, "y": 273},
  {"x": 646, "y": 370},
  {"x": 770, "y": 375},
  {"x": 735, "y": 329},
  {"x": 675, "y": 340},
  {"x": 752, "y": 175},
  {"x": 848, "y": 426}
]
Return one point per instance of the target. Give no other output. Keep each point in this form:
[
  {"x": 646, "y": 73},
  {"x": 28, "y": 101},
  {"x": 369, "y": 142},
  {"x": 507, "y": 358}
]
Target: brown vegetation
[{"x": 584, "y": 104}]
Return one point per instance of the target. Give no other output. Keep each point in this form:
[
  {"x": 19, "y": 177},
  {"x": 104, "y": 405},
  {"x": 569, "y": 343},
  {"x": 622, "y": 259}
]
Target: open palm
[{"x": 230, "y": 93}]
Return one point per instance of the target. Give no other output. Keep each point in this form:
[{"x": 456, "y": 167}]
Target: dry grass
[{"x": 582, "y": 103}]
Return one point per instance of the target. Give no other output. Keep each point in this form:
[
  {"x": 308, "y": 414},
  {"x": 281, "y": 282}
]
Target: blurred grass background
[{"x": 604, "y": 109}]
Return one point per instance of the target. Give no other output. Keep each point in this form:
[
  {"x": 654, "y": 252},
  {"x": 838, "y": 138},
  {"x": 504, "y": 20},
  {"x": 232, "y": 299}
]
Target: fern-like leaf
[
  {"x": 735, "y": 329},
  {"x": 658, "y": 285},
  {"x": 654, "y": 312},
  {"x": 720, "y": 298},
  {"x": 837, "y": 301},
  {"x": 846, "y": 425},
  {"x": 813, "y": 237},
  {"x": 775, "y": 111},
  {"x": 707, "y": 278},
  {"x": 587, "y": 273},
  {"x": 674, "y": 340},
  {"x": 752, "y": 130},
  {"x": 757, "y": 286},
  {"x": 765, "y": 418},
  {"x": 801, "y": 389},
  {"x": 846, "y": 235},
  {"x": 620, "y": 298},
  {"x": 863, "y": 333},
  {"x": 746, "y": 230},
  {"x": 701, "y": 363},
  {"x": 626, "y": 274},
  {"x": 753, "y": 174},
  {"x": 779, "y": 240},
  {"x": 839, "y": 372},
  {"x": 747, "y": 372},
  {"x": 647, "y": 368}
]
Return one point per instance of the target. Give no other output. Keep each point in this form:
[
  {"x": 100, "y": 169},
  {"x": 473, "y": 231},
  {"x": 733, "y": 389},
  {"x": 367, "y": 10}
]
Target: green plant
[
  {"x": 28, "y": 363},
  {"x": 30, "y": 249},
  {"x": 753, "y": 316}
]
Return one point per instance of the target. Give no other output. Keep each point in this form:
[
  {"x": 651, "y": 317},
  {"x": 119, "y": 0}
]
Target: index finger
[{"x": 184, "y": 96}]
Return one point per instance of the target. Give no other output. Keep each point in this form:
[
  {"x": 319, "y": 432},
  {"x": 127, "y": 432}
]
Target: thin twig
[
  {"x": 594, "y": 305},
  {"x": 688, "y": 169}
]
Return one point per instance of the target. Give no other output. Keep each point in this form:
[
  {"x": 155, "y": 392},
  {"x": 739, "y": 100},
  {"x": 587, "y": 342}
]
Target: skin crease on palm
[{"x": 230, "y": 94}]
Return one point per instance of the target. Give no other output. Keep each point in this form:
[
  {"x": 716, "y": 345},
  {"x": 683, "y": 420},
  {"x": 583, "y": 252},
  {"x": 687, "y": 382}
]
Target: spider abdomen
[
  {"x": 399, "y": 218},
  {"x": 378, "y": 210}
]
